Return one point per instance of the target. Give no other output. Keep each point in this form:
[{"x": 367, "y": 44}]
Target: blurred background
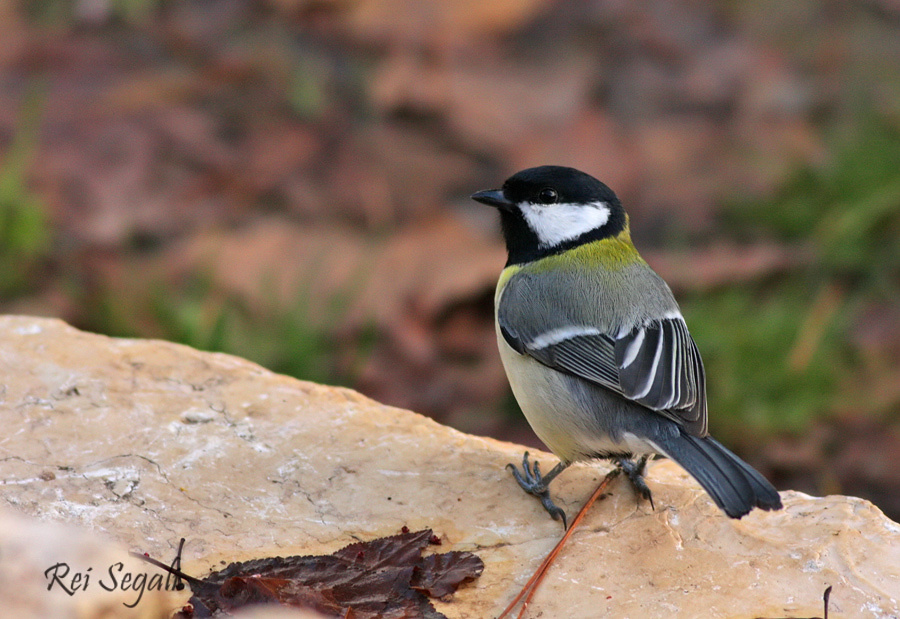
[{"x": 288, "y": 180}]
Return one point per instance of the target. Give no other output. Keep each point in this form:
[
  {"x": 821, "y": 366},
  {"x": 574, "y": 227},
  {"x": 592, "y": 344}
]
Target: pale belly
[{"x": 571, "y": 422}]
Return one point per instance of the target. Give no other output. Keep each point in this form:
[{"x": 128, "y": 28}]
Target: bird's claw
[
  {"x": 532, "y": 482},
  {"x": 530, "y": 478},
  {"x": 635, "y": 472},
  {"x": 555, "y": 511}
]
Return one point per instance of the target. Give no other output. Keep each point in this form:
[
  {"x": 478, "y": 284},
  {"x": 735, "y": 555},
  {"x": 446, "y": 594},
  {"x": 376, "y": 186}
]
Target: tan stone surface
[
  {"x": 147, "y": 442},
  {"x": 78, "y": 562}
]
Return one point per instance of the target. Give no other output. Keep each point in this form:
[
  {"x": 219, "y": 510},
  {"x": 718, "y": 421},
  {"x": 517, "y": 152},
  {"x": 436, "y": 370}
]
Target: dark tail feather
[{"x": 734, "y": 485}]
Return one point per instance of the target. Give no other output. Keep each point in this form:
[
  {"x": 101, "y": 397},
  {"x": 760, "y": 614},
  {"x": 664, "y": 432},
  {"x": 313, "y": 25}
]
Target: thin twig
[
  {"x": 174, "y": 571},
  {"x": 534, "y": 582}
]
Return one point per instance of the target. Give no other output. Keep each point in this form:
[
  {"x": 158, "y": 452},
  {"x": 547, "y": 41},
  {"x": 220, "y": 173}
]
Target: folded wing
[{"x": 655, "y": 364}]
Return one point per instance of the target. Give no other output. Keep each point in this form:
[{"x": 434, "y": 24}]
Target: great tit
[{"x": 595, "y": 347}]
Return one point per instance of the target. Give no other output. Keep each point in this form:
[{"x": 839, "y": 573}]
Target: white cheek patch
[{"x": 557, "y": 223}]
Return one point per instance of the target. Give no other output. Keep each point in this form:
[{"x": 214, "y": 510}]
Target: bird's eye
[{"x": 548, "y": 195}]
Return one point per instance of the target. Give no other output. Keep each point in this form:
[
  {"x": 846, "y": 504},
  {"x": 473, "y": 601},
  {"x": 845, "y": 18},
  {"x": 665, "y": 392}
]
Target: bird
[{"x": 595, "y": 347}]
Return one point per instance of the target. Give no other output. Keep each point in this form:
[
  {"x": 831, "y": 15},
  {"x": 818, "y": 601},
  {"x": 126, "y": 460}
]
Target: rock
[
  {"x": 408, "y": 293},
  {"x": 147, "y": 442},
  {"x": 57, "y": 570}
]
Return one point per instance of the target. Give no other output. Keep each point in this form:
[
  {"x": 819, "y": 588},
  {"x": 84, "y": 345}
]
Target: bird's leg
[
  {"x": 532, "y": 482},
  {"x": 635, "y": 471}
]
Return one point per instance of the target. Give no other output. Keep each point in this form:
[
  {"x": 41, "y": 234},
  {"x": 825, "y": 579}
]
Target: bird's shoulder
[
  {"x": 605, "y": 283},
  {"x": 610, "y": 253}
]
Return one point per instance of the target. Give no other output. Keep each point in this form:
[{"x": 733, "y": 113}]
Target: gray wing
[
  {"x": 655, "y": 363},
  {"x": 660, "y": 367}
]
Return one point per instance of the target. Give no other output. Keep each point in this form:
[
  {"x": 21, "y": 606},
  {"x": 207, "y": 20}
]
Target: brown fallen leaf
[
  {"x": 384, "y": 578},
  {"x": 440, "y": 575}
]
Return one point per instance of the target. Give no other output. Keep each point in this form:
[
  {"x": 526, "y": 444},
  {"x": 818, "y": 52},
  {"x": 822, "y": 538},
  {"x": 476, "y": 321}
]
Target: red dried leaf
[
  {"x": 386, "y": 578},
  {"x": 440, "y": 575},
  {"x": 240, "y": 591}
]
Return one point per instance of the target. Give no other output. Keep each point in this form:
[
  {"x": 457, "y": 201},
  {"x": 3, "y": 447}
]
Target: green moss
[
  {"x": 24, "y": 229},
  {"x": 781, "y": 350},
  {"x": 62, "y": 13},
  {"x": 849, "y": 209},
  {"x": 287, "y": 337},
  {"x": 761, "y": 371}
]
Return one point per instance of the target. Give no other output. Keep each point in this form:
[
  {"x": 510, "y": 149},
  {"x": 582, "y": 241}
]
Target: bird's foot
[
  {"x": 635, "y": 471},
  {"x": 532, "y": 482}
]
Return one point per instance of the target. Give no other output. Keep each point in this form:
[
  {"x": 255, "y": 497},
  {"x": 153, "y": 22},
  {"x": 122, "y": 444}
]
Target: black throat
[{"x": 523, "y": 245}]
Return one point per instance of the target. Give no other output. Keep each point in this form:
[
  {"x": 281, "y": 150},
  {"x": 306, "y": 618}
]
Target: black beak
[{"x": 495, "y": 198}]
